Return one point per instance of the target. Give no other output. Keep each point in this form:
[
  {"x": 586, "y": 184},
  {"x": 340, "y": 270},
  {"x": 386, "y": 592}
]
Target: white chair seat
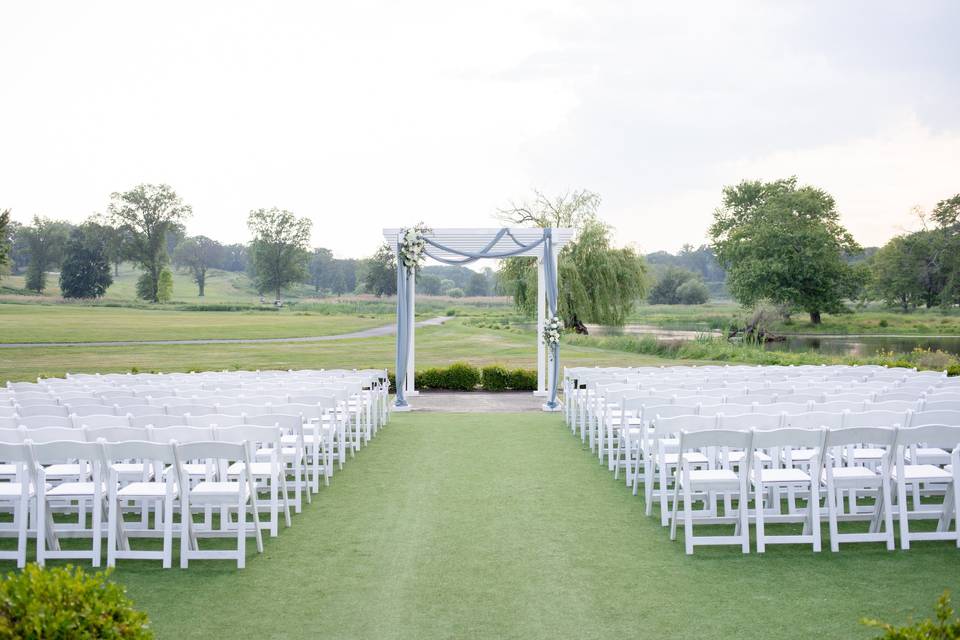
[
  {"x": 287, "y": 453},
  {"x": 866, "y": 454},
  {"x": 693, "y": 457},
  {"x": 928, "y": 455},
  {"x": 799, "y": 455},
  {"x": 193, "y": 469},
  {"x": 129, "y": 469},
  {"x": 922, "y": 473},
  {"x": 12, "y": 489},
  {"x": 258, "y": 469},
  {"x": 846, "y": 476},
  {"x": 65, "y": 470},
  {"x": 712, "y": 478},
  {"x": 781, "y": 476},
  {"x": 8, "y": 469},
  {"x": 217, "y": 492},
  {"x": 145, "y": 490},
  {"x": 71, "y": 489}
]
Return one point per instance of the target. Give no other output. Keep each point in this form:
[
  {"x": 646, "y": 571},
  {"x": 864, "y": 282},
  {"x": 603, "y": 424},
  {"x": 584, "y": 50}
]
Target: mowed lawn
[
  {"x": 435, "y": 346},
  {"x": 503, "y": 526},
  {"x": 75, "y": 323}
]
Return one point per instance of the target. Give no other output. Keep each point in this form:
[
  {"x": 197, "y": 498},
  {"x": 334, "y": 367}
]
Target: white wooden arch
[{"x": 473, "y": 241}]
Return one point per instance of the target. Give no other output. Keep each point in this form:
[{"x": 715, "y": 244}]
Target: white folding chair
[
  {"x": 17, "y": 495},
  {"x": 219, "y": 492},
  {"x": 695, "y": 482},
  {"x": 269, "y": 472}
]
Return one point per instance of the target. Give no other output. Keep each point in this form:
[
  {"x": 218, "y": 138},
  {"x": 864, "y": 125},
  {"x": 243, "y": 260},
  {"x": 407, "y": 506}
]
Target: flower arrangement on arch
[
  {"x": 413, "y": 246},
  {"x": 552, "y": 329}
]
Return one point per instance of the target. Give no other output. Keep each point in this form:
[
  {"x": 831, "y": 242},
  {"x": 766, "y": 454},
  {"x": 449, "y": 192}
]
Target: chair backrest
[
  {"x": 920, "y": 418},
  {"x": 51, "y": 434},
  {"x": 189, "y": 409},
  {"x": 892, "y": 405},
  {"x": 748, "y": 421},
  {"x": 116, "y": 434},
  {"x": 101, "y": 421},
  {"x": 53, "y": 451},
  {"x": 156, "y": 420},
  {"x": 726, "y": 409},
  {"x": 262, "y": 400},
  {"x": 308, "y": 411},
  {"x": 814, "y": 420},
  {"x": 42, "y": 410},
  {"x": 730, "y": 438},
  {"x": 181, "y": 434},
  {"x": 14, "y": 452},
  {"x": 875, "y": 419},
  {"x": 136, "y": 410},
  {"x": 34, "y": 422},
  {"x": 787, "y": 407},
  {"x": 9, "y": 422},
  {"x": 213, "y": 419},
  {"x": 637, "y": 402},
  {"x": 942, "y": 405},
  {"x": 248, "y": 409},
  {"x": 668, "y": 411},
  {"x": 898, "y": 396},
  {"x": 138, "y": 450},
  {"x": 667, "y": 427},
  {"x": 790, "y": 437},
  {"x": 7, "y": 411},
  {"x": 932, "y": 435},
  {"x": 839, "y": 406},
  {"x": 879, "y": 436},
  {"x": 288, "y": 423},
  {"x": 211, "y": 450},
  {"x": 91, "y": 409},
  {"x": 11, "y": 435},
  {"x": 251, "y": 435}
]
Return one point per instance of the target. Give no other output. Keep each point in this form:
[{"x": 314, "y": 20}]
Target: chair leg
[
  {"x": 186, "y": 529},
  {"x": 167, "y": 532},
  {"x": 687, "y": 520},
  {"x": 814, "y": 502},
  {"x": 832, "y": 518},
  {"x": 22, "y": 516},
  {"x": 758, "y": 508},
  {"x": 904, "y": 514},
  {"x": 242, "y": 529},
  {"x": 888, "y": 515},
  {"x": 744, "y": 519},
  {"x": 112, "y": 509}
]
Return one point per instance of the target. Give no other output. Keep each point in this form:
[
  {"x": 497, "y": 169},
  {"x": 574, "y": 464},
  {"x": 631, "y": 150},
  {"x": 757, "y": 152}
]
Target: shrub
[
  {"x": 693, "y": 291},
  {"x": 523, "y": 380},
  {"x": 433, "y": 378},
  {"x": 945, "y": 627},
  {"x": 494, "y": 378},
  {"x": 66, "y": 602},
  {"x": 461, "y": 376},
  {"x": 953, "y": 370},
  {"x": 455, "y": 292}
]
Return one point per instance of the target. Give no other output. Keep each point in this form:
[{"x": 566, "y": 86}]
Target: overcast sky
[{"x": 363, "y": 115}]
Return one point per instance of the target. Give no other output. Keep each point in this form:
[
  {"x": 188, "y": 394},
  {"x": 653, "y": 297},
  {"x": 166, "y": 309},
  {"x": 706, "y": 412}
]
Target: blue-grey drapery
[{"x": 405, "y": 302}]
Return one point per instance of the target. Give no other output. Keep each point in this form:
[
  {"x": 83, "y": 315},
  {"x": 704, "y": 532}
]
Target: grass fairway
[
  {"x": 435, "y": 346},
  {"x": 75, "y": 323},
  {"x": 502, "y": 526}
]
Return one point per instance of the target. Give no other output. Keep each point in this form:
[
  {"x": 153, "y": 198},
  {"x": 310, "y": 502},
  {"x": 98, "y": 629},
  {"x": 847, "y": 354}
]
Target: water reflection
[{"x": 835, "y": 345}]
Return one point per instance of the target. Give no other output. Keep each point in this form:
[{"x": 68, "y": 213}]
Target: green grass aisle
[{"x": 501, "y": 526}]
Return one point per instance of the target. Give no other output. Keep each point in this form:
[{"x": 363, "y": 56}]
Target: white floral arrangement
[
  {"x": 551, "y": 331},
  {"x": 413, "y": 246}
]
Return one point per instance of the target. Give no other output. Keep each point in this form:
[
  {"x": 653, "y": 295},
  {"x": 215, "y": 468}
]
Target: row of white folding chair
[{"x": 829, "y": 476}]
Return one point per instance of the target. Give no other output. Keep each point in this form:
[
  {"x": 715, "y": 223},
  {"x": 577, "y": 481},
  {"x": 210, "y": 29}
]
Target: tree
[
  {"x": 785, "y": 243},
  {"x": 428, "y": 284},
  {"x": 235, "y": 258},
  {"x": 896, "y": 274},
  {"x": 380, "y": 272},
  {"x": 85, "y": 272},
  {"x": 597, "y": 282},
  {"x": 478, "y": 285},
  {"x": 45, "y": 239},
  {"x": 668, "y": 282},
  {"x": 6, "y": 240},
  {"x": 196, "y": 256},
  {"x": 947, "y": 212},
  {"x": 693, "y": 291},
  {"x": 149, "y": 213},
  {"x": 343, "y": 276},
  {"x": 320, "y": 263},
  {"x": 280, "y": 241}
]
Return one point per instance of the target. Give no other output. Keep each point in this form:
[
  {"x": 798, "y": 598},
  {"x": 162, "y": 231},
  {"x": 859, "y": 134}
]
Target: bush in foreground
[
  {"x": 66, "y": 603},
  {"x": 945, "y": 627}
]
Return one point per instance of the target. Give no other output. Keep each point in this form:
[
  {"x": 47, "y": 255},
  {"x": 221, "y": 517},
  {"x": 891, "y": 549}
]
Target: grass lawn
[
  {"x": 872, "y": 320},
  {"x": 435, "y": 346},
  {"x": 503, "y": 526},
  {"x": 76, "y": 323}
]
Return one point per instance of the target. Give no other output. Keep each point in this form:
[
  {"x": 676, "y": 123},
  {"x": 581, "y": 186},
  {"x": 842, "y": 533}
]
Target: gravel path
[{"x": 365, "y": 333}]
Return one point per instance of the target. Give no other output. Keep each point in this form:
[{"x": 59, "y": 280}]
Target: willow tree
[{"x": 598, "y": 283}]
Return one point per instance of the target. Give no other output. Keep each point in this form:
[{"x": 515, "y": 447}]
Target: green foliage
[
  {"x": 159, "y": 290},
  {"x": 522, "y": 380},
  {"x": 784, "y": 243},
  {"x": 149, "y": 214},
  {"x": 945, "y": 627},
  {"x": 428, "y": 284},
  {"x": 597, "y": 282},
  {"x": 461, "y": 376},
  {"x": 85, "y": 272},
  {"x": 196, "y": 256},
  {"x": 380, "y": 272},
  {"x": 667, "y": 289},
  {"x": 947, "y": 212},
  {"x": 45, "y": 240},
  {"x": 494, "y": 378},
  {"x": 693, "y": 291},
  {"x": 320, "y": 268},
  {"x": 477, "y": 286},
  {"x": 280, "y": 242},
  {"x": 6, "y": 240},
  {"x": 67, "y": 603},
  {"x": 455, "y": 292}
]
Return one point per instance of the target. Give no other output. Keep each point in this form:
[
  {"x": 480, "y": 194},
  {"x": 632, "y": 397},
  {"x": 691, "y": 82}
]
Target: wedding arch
[{"x": 413, "y": 245}]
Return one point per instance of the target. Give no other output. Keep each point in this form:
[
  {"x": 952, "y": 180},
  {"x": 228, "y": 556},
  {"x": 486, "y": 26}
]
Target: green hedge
[
  {"x": 67, "y": 602},
  {"x": 462, "y": 376}
]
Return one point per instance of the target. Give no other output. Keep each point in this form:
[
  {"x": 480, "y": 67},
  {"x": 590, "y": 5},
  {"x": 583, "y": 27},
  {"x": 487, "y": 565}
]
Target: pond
[{"x": 852, "y": 345}]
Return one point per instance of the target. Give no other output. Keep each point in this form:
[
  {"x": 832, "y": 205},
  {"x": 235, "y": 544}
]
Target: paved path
[
  {"x": 365, "y": 333},
  {"x": 476, "y": 402}
]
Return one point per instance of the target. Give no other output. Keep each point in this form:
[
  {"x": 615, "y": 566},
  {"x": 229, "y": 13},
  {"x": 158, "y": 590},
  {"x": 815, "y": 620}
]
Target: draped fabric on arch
[{"x": 440, "y": 253}]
